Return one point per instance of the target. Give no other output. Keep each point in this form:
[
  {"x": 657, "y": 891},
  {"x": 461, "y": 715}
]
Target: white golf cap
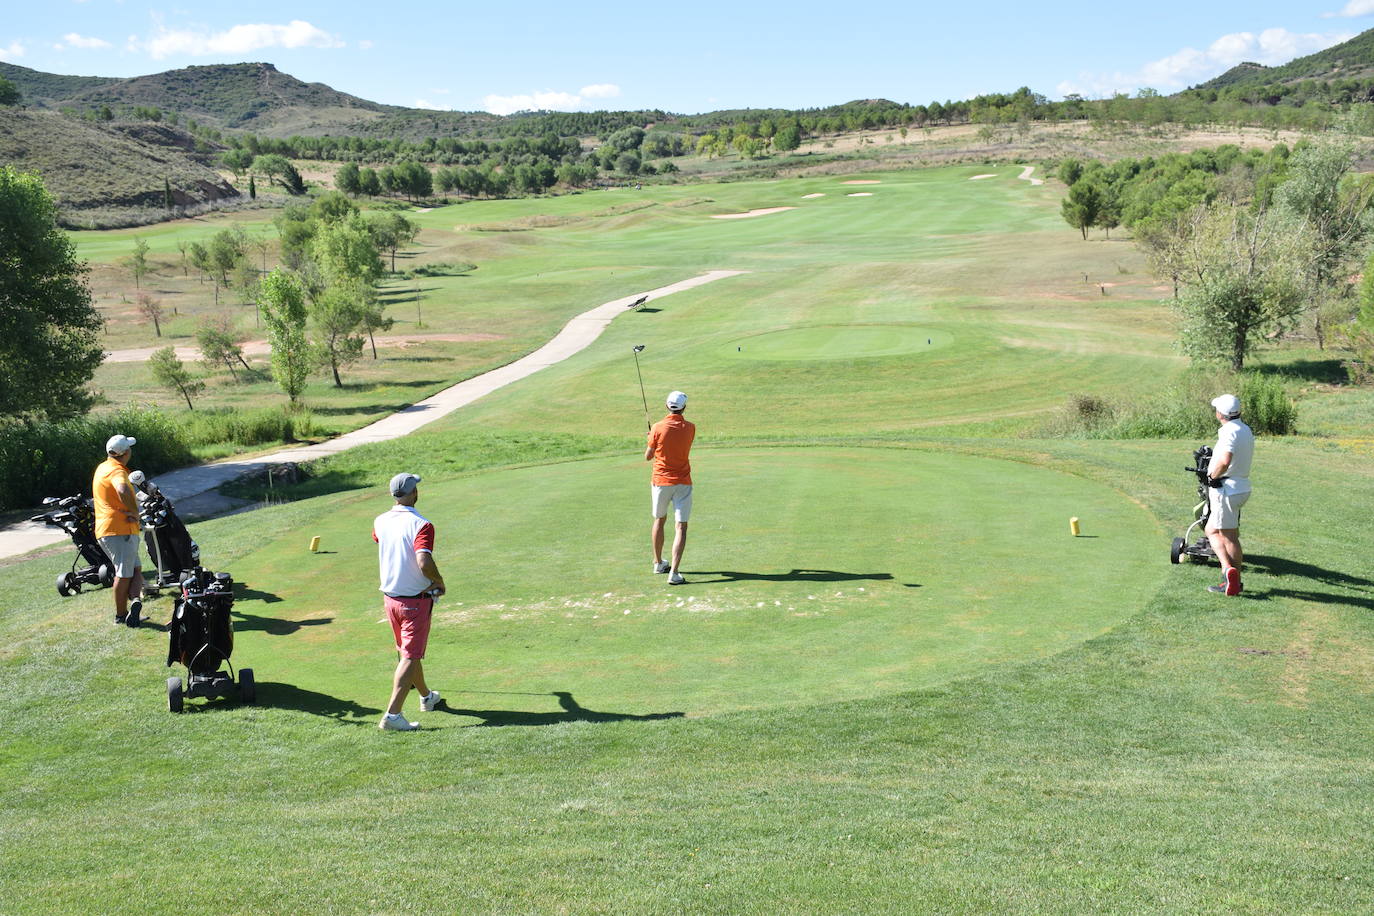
[
  {"x": 117, "y": 445},
  {"x": 1227, "y": 405},
  {"x": 676, "y": 400},
  {"x": 403, "y": 484}
]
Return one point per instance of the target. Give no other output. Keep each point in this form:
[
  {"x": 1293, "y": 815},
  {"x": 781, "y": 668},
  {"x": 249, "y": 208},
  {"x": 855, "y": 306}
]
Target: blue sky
[{"x": 688, "y": 57}]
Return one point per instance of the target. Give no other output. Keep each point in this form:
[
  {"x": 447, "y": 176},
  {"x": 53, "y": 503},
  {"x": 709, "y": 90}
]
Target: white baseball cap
[
  {"x": 676, "y": 400},
  {"x": 1227, "y": 405},
  {"x": 404, "y": 483},
  {"x": 119, "y": 444}
]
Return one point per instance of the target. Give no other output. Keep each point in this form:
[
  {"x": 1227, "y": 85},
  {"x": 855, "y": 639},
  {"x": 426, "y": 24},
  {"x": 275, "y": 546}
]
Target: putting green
[
  {"x": 814, "y": 575},
  {"x": 851, "y": 341}
]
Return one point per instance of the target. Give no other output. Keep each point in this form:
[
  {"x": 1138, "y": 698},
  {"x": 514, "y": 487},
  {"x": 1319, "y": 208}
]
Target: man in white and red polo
[{"x": 410, "y": 583}]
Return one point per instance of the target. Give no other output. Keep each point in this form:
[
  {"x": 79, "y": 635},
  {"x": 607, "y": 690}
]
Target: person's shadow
[
  {"x": 1309, "y": 574},
  {"x": 288, "y": 696},
  {"x": 273, "y": 626},
  {"x": 570, "y": 711},
  {"x": 795, "y": 575}
]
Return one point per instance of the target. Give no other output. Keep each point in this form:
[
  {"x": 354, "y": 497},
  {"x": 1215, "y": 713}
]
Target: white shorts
[
  {"x": 680, "y": 495},
  {"x": 1224, "y": 508},
  {"x": 122, "y": 549}
]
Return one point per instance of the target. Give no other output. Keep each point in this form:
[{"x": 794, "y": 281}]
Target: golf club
[{"x": 645, "y": 398}]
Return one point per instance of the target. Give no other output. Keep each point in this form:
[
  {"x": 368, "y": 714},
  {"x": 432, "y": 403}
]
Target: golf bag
[
  {"x": 1202, "y": 548},
  {"x": 169, "y": 543},
  {"x": 201, "y": 638},
  {"x": 201, "y": 632},
  {"x": 76, "y": 516}
]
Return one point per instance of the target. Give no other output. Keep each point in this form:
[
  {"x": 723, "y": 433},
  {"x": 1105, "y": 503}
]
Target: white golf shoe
[
  {"x": 429, "y": 701},
  {"x": 676, "y": 579},
  {"x": 662, "y": 566},
  {"x": 395, "y": 722}
]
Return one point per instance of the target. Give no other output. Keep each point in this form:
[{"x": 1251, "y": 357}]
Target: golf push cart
[
  {"x": 201, "y": 639},
  {"x": 169, "y": 543},
  {"x": 1201, "y": 549},
  {"x": 76, "y": 516}
]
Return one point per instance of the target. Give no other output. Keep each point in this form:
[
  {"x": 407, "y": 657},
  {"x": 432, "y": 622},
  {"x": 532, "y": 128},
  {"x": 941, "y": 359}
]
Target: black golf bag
[
  {"x": 201, "y": 638},
  {"x": 169, "y": 543},
  {"x": 1202, "y": 548},
  {"x": 76, "y": 516}
]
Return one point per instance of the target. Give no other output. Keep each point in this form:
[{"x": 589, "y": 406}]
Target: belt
[{"x": 409, "y": 597}]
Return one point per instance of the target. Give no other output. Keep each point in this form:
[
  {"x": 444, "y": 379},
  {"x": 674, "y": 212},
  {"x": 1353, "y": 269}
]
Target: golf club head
[{"x": 639, "y": 348}]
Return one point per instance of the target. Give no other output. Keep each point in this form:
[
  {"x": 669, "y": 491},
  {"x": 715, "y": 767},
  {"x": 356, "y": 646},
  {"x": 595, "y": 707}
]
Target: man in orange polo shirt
[
  {"x": 670, "y": 443},
  {"x": 116, "y": 527}
]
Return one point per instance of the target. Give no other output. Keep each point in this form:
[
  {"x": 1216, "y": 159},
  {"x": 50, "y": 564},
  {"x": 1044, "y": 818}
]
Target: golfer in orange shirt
[{"x": 670, "y": 443}]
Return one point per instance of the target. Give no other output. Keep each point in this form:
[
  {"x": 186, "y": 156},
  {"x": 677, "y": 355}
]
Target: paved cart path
[{"x": 192, "y": 489}]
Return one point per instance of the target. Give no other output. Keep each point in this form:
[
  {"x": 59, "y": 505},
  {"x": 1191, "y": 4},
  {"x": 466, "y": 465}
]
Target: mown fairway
[{"x": 894, "y": 682}]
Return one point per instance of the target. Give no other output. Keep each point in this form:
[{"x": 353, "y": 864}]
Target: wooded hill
[{"x": 1350, "y": 60}]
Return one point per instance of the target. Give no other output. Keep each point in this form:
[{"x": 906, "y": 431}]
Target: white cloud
[
  {"x": 366, "y": 44},
  {"x": 429, "y": 106},
  {"x": 11, "y": 51},
  {"x": 73, "y": 40},
  {"x": 600, "y": 91},
  {"x": 1352, "y": 9},
  {"x": 239, "y": 39},
  {"x": 1188, "y": 66},
  {"x": 548, "y": 100}
]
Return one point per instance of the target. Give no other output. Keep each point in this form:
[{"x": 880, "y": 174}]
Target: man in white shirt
[
  {"x": 410, "y": 583},
  {"x": 1231, "y": 458}
]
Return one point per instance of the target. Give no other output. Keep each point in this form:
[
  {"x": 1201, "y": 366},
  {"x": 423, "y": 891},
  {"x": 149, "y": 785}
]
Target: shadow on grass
[
  {"x": 274, "y": 626},
  {"x": 646, "y": 311},
  {"x": 570, "y": 711},
  {"x": 359, "y": 408},
  {"x": 1308, "y": 574},
  {"x": 1328, "y": 371},
  {"x": 244, "y": 593},
  {"x": 289, "y": 696},
  {"x": 796, "y": 575}
]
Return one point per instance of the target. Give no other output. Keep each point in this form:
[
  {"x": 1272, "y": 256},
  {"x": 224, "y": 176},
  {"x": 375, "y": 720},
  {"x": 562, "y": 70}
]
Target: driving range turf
[{"x": 1004, "y": 718}]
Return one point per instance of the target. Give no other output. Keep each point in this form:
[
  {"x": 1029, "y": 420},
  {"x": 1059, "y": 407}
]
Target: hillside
[
  {"x": 1353, "y": 59},
  {"x": 45, "y": 89},
  {"x": 119, "y": 166},
  {"x": 251, "y": 96}
]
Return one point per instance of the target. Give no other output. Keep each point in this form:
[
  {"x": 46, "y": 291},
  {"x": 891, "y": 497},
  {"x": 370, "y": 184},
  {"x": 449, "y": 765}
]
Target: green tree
[
  {"x": 49, "y": 328},
  {"x": 283, "y": 308},
  {"x": 346, "y": 252},
  {"x": 218, "y": 346},
  {"x": 138, "y": 262},
  {"x": 151, "y": 309},
  {"x": 348, "y": 179},
  {"x": 227, "y": 250},
  {"x": 9, "y": 93},
  {"x": 1243, "y": 276},
  {"x": 1083, "y": 206},
  {"x": 390, "y": 231},
  {"x": 170, "y": 373},
  {"x": 167, "y": 200},
  {"x": 788, "y": 138},
  {"x": 237, "y": 161},
  {"x": 333, "y": 207},
  {"x": 627, "y": 162},
  {"x": 336, "y": 321},
  {"x": 369, "y": 183},
  {"x": 278, "y": 168}
]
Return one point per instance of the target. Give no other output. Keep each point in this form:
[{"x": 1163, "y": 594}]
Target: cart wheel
[
  {"x": 63, "y": 586},
  {"x": 106, "y": 574},
  {"x": 248, "y": 688},
  {"x": 1176, "y": 551},
  {"x": 174, "y": 694}
]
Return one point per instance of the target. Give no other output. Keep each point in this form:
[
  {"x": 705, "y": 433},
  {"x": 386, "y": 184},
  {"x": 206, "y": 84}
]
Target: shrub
[
  {"x": 58, "y": 459},
  {"x": 248, "y": 427}
]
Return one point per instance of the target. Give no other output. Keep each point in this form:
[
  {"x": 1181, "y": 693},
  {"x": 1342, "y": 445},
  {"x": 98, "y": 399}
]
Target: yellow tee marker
[
  {"x": 1073, "y": 527},
  {"x": 315, "y": 542}
]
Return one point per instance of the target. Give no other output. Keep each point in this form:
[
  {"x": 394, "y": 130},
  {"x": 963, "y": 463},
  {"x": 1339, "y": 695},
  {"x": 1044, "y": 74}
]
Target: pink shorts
[{"x": 410, "y": 623}]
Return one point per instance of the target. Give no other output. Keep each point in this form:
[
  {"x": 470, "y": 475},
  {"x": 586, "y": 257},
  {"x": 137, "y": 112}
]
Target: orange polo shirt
[
  {"x": 109, "y": 506},
  {"x": 671, "y": 440}
]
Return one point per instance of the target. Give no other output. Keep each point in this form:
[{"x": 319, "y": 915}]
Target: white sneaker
[
  {"x": 676, "y": 579},
  {"x": 429, "y": 701},
  {"x": 662, "y": 566},
  {"x": 395, "y": 722}
]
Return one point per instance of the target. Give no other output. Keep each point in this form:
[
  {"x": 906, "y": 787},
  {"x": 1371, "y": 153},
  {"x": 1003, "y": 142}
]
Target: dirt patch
[
  {"x": 810, "y": 196},
  {"x": 763, "y": 212}
]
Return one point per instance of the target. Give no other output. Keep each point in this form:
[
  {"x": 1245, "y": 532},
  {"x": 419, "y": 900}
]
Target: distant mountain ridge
[{"x": 1353, "y": 59}]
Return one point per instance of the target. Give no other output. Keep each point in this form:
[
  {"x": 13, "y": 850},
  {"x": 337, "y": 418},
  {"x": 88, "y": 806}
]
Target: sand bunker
[
  {"x": 809, "y": 196},
  {"x": 976, "y": 177},
  {"x": 864, "y": 181},
  {"x": 764, "y": 212},
  {"x": 860, "y": 194}
]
